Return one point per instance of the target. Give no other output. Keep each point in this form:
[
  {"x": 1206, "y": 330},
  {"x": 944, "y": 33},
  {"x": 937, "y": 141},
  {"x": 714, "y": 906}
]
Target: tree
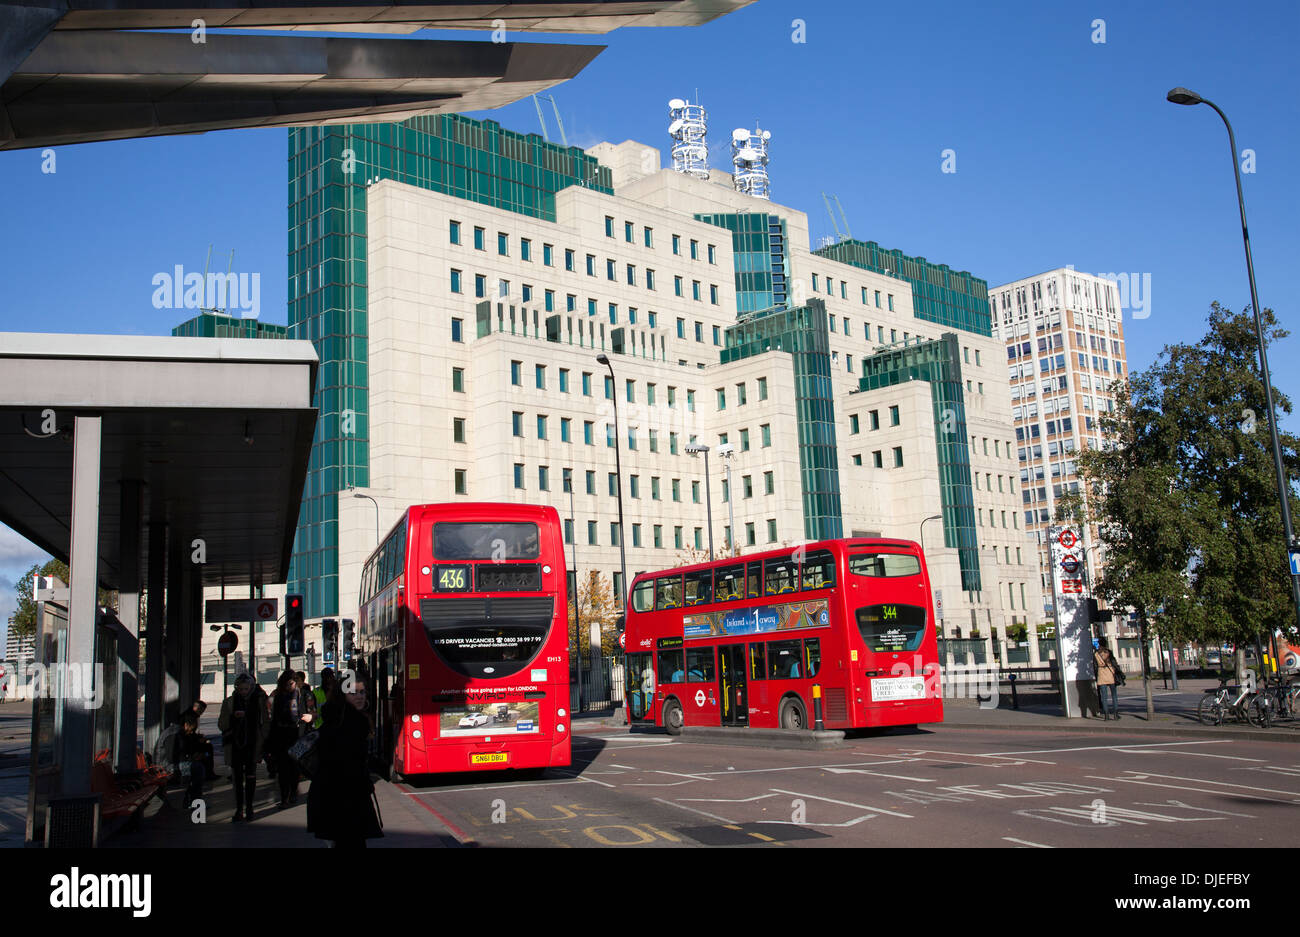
[
  {"x": 24, "y": 620},
  {"x": 1186, "y": 496},
  {"x": 595, "y": 606}
]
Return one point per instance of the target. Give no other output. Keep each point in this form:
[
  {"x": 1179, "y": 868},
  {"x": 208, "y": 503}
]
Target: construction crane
[
  {"x": 542, "y": 120},
  {"x": 841, "y": 236}
]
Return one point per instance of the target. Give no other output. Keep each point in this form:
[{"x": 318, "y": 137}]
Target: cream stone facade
[{"x": 484, "y": 327}]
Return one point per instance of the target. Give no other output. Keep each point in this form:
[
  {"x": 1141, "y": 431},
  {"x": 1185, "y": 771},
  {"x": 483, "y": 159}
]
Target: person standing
[
  {"x": 287, "y": 720},
  {"x": 1108, "y": 678},
  {"x": 322, "y": 694},
  {"x": 191, "y": 756},
  {"x": 340, "y": 801},
  {"x": 244, "y": 726}
]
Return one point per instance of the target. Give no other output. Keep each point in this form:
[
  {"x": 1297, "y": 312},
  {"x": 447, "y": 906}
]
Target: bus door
[
  {"x": 639, "y": 678},
  {"x": 734, "y": 700}
]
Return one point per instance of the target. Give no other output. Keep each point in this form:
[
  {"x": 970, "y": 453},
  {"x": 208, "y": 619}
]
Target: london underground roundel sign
[{"x": 1067, "y": 539}]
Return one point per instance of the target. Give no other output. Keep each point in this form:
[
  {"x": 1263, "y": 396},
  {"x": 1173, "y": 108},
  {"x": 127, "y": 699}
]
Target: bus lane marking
[
  {"x": 1249, "y": 792},
  {"x": 757, "y": 797},
  {"x": 845, "y": 803},
  {"x": 1108, "y": 748},
  {"x": 1026, "y": 843},
  {"x": 1183, "y": 806},
  {"x": 704, "y": 813},
  {"x": 1159, "y": 751},
  {"x": 855, "y": 764},
  {"x": 881, "y": 774},
  {"x": 959, "y": 758}
]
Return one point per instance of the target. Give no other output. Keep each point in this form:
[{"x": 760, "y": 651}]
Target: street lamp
[
  {"x": 708, "y": 500},
  {"x": 932, "y": 517},
  {"x": 728, "y": 452},
  {"x": 577, "y": 627},
  {"x": 1184, "y": 96},
  {"x": 618, "y": 470},
  {"x": 357, "y": 494}
]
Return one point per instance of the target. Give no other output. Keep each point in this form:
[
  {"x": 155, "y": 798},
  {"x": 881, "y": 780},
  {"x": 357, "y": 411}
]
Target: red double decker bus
[
  {"x": 747, "y": 641},
  {"x": 462, "y": 627}
]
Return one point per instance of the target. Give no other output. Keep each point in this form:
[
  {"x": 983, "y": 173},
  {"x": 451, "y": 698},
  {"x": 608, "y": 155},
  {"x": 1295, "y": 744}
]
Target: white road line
[
  {"x": 880, "y": 774},
  {"x": 1108, "y": 748},
  {"x": 853, "y": 822},
  {"x": 583, "y": 777},
  {"x": 845, "y": 803},
  {"x": 726, "y": 800},
  {"x": 1249, "y": 787},
  {"x": 493, "y": 787},
  {"x": 1197, "y": 790},
  {"x": 679, "y": 774},
  {"x": 1157, "y": 751},
  {"x": 857, "y": 764},
  {"x": 624, "y": 767},
  {"x": 711, "y": 816},
  {"x": 1025, "y": 842},
  {"x": 959, "y": 755}
]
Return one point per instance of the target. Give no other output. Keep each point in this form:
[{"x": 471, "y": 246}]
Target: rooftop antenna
[
  {"x": 689, "y": 128},
  {"x": 749, "y": 160}
]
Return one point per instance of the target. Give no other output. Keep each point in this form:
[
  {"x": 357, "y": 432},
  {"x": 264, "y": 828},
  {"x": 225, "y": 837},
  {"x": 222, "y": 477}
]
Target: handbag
[
  {"x": 306, "y": 753},
  {"x": 1119, "y": 675}
]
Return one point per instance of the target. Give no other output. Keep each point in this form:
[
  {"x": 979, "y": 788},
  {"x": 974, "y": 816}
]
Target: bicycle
[
  {"x": 1235, "y": 700},
  {"x": 1282, "y": 699}
]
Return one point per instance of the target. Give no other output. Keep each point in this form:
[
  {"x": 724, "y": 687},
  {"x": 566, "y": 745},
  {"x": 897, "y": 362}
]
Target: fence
[{"x": 602, "y": 685}]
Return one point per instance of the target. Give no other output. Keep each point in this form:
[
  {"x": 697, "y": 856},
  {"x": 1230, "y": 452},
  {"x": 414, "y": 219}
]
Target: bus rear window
[
  {"x": 885, "y": 564},
  {"x": 891, "y": 627},
  {"x": 468, "y": 541}
]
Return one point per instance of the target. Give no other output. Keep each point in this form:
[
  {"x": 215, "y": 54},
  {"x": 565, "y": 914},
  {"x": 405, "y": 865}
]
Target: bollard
[
  {"x": 818, "y": 724},
  {"x": 1015, "y": 703}
]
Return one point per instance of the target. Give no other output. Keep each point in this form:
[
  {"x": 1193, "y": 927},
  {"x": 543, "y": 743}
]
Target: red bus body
[
  {"x": 748, "y": 641},
  {"x": 463, "y": 627}
]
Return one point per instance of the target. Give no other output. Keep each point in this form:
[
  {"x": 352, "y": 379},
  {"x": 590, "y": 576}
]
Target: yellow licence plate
[{"x": 490, "y": 758}]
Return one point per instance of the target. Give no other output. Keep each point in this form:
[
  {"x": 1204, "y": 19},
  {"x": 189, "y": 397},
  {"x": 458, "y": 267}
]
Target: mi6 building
[{"x": 460, "y": 280}]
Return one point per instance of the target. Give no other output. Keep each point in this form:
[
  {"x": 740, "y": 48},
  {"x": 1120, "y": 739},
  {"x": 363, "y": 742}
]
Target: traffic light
[
  {"x": 349, "y": 638},
  {"x": 330, "y": 635},
  {"x": 294, "y": 636}
]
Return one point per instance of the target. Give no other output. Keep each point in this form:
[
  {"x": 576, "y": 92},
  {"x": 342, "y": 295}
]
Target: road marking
[
  {"x": 1109, "y": 748},
  {"x": 853, "y": 822},
  {"x": 711, "y": 816},
  {"x": 1197, "y": 790},
  {"x": 855, "y": 764},
  {"x": 879, "y": 774},
  {"x": 1180, "y": 804},
  {"x": 1156, "y": 751},
  {"x": 845, "y": 803},
  {"x": 1249, "y": 787},
  {"x": 460, "y": 835},
  {"x": 678, "y": 774},
  {"x": 1274, "y": 769},
  {"x": 490, "y": 787},
  {"x": 766, "y": 839},
  {"x": 624, "y": 767},
  {"x": 1025, "y": 842},
  {"x": 956, "y": 756},
  {"x": 724, "y": 800}
]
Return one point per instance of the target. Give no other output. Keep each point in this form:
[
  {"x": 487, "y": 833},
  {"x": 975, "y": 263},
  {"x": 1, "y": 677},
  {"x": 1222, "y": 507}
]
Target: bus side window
[
  {"x": 783, "y": 659},
  {"x": 699, "y": 587},
  {"x": 643, "y": 596},
  {"x": 812, "y": 656},
  {"x": 781, "y": 574},
  {"x": 755, "y": 578},
  {"x": 670, "y": 666},
  {"x": 731, "y": 583},
  {"x": 757, "y": 662},
  {"x": 699, "y": 665},
  {"x": 819, "y": 570},
  {"x": 668, "y": 592}
]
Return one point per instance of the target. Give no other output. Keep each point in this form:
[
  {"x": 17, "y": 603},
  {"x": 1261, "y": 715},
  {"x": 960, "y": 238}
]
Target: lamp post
[
  {"x": 618, "y": 471},
  {"x": 728, "y": 453},
  {"x": 708, "y": 500},
  {"x": 357, "y": 494},
  {"x": 932, "y": 517},
  {"x": 1184, "y": 96},
  {"x": 577, "y": 627}
]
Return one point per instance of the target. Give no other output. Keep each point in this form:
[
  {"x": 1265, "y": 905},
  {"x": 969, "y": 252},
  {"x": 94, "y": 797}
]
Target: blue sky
[{"x": 1066, "y": 153}]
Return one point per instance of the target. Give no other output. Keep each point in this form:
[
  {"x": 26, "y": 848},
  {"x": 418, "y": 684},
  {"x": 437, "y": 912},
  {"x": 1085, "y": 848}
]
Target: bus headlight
[
  {"x": 416, "y": 734},
  {"x": 415, "y": 717},
  {"x": 560, "y": 727},
  {"x": 561, "y": 713}
]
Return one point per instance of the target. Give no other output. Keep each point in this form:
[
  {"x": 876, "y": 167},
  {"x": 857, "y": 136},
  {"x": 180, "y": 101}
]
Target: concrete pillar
[
  {"x": 176, "y": 559},
  {"x": 128, "y": 642},
  {"x": 77, "y": 740},
  {"x": 190, "y": 638},
  {"x": 156, "y": 611}
]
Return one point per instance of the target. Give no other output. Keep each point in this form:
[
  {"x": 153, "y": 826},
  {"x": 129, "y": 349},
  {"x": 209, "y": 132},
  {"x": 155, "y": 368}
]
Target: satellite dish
[
  {"x": 675, "y": 126},
  {"x": 767, "y": 135},
  {"x": 676, "y": 104},
  {"x": 740, "y": 133},
  {"x": 748, "y": 154}
]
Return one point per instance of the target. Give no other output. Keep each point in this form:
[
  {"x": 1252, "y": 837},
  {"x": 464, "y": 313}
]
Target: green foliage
[
  {"x": 24, "y": 621},
  {"x": 1187, "y": 498},
  {"x": 595, "y": 604}
]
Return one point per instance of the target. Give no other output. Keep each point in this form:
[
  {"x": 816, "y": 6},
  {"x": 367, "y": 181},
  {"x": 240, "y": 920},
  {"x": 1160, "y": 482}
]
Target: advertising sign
[
  {"x": 510, "y": 718},
  {"x": 760, "y": 619}
]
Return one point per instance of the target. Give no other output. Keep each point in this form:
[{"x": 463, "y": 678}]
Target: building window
[
  {"x": 898, "y": 457},
  {"x": 455, "y": 232},
  {"x": 875, "y": 419},
  {"x": 479, "y": 236},
  {"x": 461, "y": 487},
  {"x": 541, "y": 427},
  {"x": 550, "y": 300},
  {"x": 517, "y": 373},
  {"x": 517, "y": 423},
  {"x": 591, "y": 481},
  {"x": 627, "y": 231},
  {"x": 519, "y": 475},
  {"x": 878, "y": 459},
  {"x": 527, "y": 293},
  {"x": 458, "y": 429},
  {"x": 591, "y": 533},
  {"x": 762, "y": 388},
  {"x": 766, "y": 431},
  {"x": 648, "y": 233},
  {"x": 695, "y": 290},
  {"x": 695, "y": 249},
  {"x": 565, "y": 422},
  {"x": 543, "y": 478},
  {"x": 893, "y": 416},
  {"x": 548, "y": 255},
  {"x": 588, "y": 429},
  {"x": 569, "y": 263},
  {"x": 455, "y": 281},
  {"x": 586, "y": 383},
  {"x": 609, "y": 226},
  {"x": 722, "y": 398},
  {"x": 480, "y": 286},
  {"x": 525, "y": 249},
  {"x": 650, "y": 283},
  {"x": 503, "y": 244},
  {"x": 591, "y": 265},
  {"x": 634, "y": 485},
  {"x": 769, "y": 480},
  {"x": 458, "y": 330},
  {"x": 677, "y": 288},
  {"x": 610, "y": 272},
  {"x": 458, "y": 380},
  {"x": 677, "y": 249},
  {"x": 853, "y": 423}
]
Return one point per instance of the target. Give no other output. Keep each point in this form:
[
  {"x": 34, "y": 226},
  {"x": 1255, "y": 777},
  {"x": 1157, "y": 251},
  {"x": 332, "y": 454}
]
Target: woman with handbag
[
  {"x": 341, "y": 803},
  {"x": 1109, "y": 678},
  {"x": 288, "y": 719}
]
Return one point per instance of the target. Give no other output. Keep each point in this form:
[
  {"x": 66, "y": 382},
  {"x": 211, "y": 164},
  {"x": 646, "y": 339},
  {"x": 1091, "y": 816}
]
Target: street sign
[
  {"x": 938, "y": 604},
  {"x": 219, "y": 611},
  {"x": 1070, "y": 563},
  {"x": 227, "y": 643},
  {"x": 1067, "y": 539},
  {"x": 622, "y": 640},
  {"x": 1069, "y": 586},
  {"x": 1295, "y": 564}
]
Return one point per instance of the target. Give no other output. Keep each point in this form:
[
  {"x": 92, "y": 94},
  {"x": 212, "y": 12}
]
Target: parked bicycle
[
  {"x": 1281, "y": 699},
  {"x": 1235, "y": 701}
]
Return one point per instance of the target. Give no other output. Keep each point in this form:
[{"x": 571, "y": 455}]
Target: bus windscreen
[{"x": 471, "y": 541}]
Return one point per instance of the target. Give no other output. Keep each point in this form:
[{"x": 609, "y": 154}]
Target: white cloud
[{"x": 18, "y": 553}]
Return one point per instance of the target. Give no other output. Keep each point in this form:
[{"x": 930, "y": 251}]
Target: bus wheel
[
  {"x": 793, "y": 715},
  {"x": 672, "y": 716}
]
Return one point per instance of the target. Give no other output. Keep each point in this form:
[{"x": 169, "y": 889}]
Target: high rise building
[
  {"x": 1064, "y": 337},
  {"x": 459, "y": 280}
]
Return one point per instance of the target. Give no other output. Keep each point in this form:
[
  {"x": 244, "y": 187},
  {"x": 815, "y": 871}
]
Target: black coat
[{"x": 339, "y": 802}]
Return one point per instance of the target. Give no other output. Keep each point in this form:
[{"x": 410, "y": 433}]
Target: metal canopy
[{"x": 218, "y": 431}]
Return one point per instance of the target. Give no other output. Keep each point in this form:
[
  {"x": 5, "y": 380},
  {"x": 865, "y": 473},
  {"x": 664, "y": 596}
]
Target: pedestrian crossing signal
[{"x": 294, "y": 628}]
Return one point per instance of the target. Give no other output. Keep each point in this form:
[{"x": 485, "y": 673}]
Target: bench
[{"x": 123, "y": 795}]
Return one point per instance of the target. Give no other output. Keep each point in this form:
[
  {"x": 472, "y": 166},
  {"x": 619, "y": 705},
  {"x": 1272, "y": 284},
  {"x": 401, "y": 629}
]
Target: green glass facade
[
  {"x": 208, "y": 325},
  {"x": 939, "y": 362},
  {"x": 803, "y": 333},
  {"x": 758, "y": 242},
  {"x": 329, "y": 168},
  {"x": 950, "y": 298}
]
